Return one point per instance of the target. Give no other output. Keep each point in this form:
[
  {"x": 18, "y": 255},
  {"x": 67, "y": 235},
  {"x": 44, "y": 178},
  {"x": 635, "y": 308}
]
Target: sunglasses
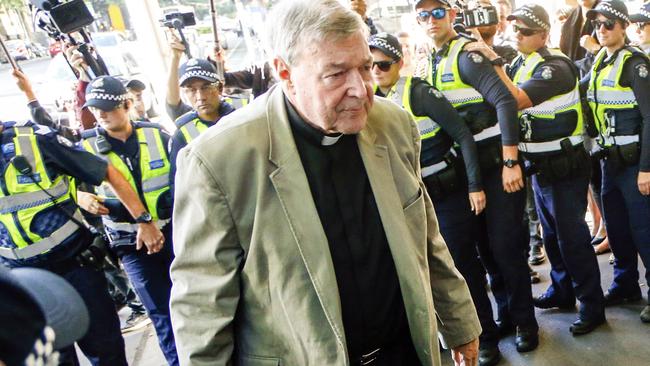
[
  {"x": 609, "y": 24},
  {"x": 526, "y": 32},
  {"x": 383, "y": 65},
  {"x": 437, "y": 13},
  {"x": 641, "y": 26}
]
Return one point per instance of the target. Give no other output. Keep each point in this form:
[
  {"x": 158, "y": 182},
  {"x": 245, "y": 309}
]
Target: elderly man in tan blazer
[{"x": 302, "y": 230}]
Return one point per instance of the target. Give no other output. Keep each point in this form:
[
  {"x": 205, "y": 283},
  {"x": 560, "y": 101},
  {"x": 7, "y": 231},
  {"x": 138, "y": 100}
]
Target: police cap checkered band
[
  {"x": 533, "y": 16},
  {"x": 386, "y": 43},
  {"x": 198, "y": 68},
  {"x": 105, "y": 93},
  {"x": 612, "y": 9},
  {"x": 643, "y": 16}
]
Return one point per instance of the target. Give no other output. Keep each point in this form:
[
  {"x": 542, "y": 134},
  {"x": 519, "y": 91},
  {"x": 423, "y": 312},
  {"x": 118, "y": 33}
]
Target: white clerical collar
[{"x": 330, "y": 140}]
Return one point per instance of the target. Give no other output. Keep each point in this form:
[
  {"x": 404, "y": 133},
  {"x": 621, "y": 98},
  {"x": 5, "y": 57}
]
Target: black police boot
[
  {"x": 584, "y": 326},
  {"x": 616, "y": 297},
  {"x": 645, "y": 314},
  {"x": 526, "y": 339},
  {"x": 537, "y": 255},
  {"x": 489, "y": 355},
  {"x": 548, "y": 302}
]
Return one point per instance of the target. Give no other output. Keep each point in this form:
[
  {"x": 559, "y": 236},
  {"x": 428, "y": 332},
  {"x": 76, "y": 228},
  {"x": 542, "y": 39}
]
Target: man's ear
[
  {"x": 127, "y": 104},
  {"x": 282, "y": 69}
]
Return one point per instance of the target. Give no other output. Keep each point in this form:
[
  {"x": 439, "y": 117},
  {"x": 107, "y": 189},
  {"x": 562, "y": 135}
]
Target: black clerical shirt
[{"x": 371, "y": 301}]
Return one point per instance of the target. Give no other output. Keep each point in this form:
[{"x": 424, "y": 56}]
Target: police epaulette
[
  {"x": 186, "y": 118},
  {"x": 145, "y": 124},
  {"x": 86, "y": 134},
  {"x": 637, "y": 52}
]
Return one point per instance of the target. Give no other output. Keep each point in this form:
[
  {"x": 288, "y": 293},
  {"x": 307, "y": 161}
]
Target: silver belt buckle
[{"x": 369, "y": 358}]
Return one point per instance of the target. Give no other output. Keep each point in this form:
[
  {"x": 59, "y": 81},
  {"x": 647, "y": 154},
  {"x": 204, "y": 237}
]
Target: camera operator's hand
[
  {"x": 150, "y": 236},
  {"x": 91, "y": 203},
  {"x": 176, "y": 46},
  {"x": 24, "y": 85},
  {"x": 76, "y": 60}
]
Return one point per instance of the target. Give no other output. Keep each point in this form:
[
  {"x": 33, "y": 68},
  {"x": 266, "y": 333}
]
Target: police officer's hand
[
  {"x": 513, "y": 179},
  {"x": 477, "y": 201},
  {"x": 91, "y": 203},
  {"x": 150, "y": 236},
  {"x": 482, "y": 48},
  {"x": 176, "y": 45},
  {"x": 644, "y": 183}
]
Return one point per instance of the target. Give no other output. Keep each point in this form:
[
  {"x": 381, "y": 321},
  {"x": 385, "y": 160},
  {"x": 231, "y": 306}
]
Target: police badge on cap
[{"x": 105, "y": 93}]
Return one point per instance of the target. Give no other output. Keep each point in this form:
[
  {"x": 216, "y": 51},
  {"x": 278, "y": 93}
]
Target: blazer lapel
[{"x": 291, "y": 185}]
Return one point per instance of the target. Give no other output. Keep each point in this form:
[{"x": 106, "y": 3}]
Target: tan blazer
[{"x": 253, "y": 281}]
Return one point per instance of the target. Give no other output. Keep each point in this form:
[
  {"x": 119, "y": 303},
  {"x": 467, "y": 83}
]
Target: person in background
[
  {"x": 578, "y": 37},
  {"x": 360, "y": 7},
  {"x": 642, "y": 23},
  {"x": 618, "y": 92}
]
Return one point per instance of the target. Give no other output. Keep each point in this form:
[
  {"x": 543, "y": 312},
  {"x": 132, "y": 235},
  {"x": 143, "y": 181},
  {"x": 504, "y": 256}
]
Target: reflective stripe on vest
[
  {"x": 605, "y": 92},
  {"x": 154, "y": 168},
  {"x": 447, "y": 78},
  {"x": 26, "y": 200},
  {"x": 193, "y": 129},
  {"x": 400, "y": 93},
  {"x": 550, "y": 110}
]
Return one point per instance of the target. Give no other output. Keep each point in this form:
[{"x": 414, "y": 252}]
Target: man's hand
[
  {"x": 150, "y": 236},
  {"x": 466, "y": 355},
  {"x": 76, "y": 60},
  {"x": 176, "y": 45},
  {"x": 91, "y": 203},
  {"x": 477, "y": 201},
  {"x": 644, "y": 183},
  {"x": 23, "y": 83},
  {"x": 590, "y": 44},
  {"x": 513, "y": 179}
]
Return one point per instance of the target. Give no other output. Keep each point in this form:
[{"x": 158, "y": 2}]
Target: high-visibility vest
[
  {"x": 554, "y": 117},
  {"x": 21, "y": 198},
  {"x": 606, "y": 95},
  {"x": 154, "y": 169},
  {"x": 400, "y": 93},
  {"x": 190, "y": 125},
  {"x": 462, "y": 96}
]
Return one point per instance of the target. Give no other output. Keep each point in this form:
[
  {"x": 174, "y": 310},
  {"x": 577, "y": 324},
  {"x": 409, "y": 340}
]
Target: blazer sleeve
[
  {"x": 207, "y": 268},
  {"x": 457, "y": 319}
]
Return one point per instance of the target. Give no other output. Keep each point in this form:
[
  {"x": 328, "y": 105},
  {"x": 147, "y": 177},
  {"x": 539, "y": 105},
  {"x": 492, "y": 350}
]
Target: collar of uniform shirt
[{"x": 309, "y": 132}]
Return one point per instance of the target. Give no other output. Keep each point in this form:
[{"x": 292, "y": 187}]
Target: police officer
[
  {"x": 469, "y": 82},
  {"x": 202, "y": 87},
  {"x": 619, "y": 97},
  {"x": 642, "y": 20},
  {"x": 41, "y": 225},
  {"x": 545, "y": 83},
  {"x": 138, "y": 151},
  {"x": 456, "y": 191}
]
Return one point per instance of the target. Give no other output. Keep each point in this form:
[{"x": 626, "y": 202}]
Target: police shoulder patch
[
  {"x": 547, "y": 73},
  {"x": 64, "y": 141},
  {"x": 642, "y": 71},
  {"x": 436, "y": 93},
  {"x": 477, "y": 58}
]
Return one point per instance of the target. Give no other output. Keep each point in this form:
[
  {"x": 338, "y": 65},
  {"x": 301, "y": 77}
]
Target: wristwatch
[
  {"x": 144, "y": 218},
  {"x": 499, "y": 61},
  {"x": 509, "y": 163}
]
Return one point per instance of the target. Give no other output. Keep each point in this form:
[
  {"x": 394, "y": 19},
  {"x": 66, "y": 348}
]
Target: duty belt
[
  {"x": 618, "y": 140},
  {"x": 45, "y": 244},
  {"x": 487, "y": 133},
  {"x": 437, "y": 167},
  {"x": 549, "y": 146}
]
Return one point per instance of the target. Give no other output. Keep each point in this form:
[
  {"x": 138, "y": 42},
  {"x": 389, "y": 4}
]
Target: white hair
[{"x": 295, "y": 24}]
